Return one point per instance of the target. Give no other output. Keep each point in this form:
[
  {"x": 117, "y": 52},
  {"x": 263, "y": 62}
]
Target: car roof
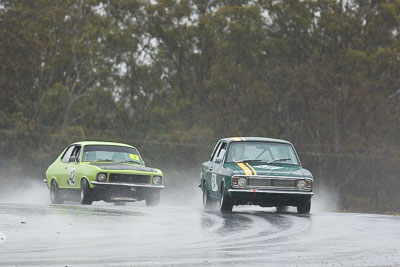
[
  {"x": 255, "y": 139},
  {"x": 100, "y": 143}
]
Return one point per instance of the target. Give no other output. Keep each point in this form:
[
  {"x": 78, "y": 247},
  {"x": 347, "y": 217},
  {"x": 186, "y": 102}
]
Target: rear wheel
[
  {"x": 304, "y": 207},
  {"x": 208, "y": 202},
  {"x": 55, "y": 193},
  {"x": 86, "y": 194},
  {"x": 225, "y": 202},
  {"x": 153, "y": 199}
]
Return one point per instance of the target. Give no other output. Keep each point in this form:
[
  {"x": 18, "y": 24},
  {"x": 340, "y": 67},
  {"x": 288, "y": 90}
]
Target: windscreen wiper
[
  {"x": 103, "y": 160},
  {"x": 277, "y": 160},
  {"x": 129, "y": 161},
  {"x": 247, "y": 160}
]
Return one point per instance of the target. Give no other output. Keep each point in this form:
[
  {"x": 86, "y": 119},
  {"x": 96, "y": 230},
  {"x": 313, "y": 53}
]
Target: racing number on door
[
  {"x": 214, "y": 185},
  {"x": 71, "y": 179}
]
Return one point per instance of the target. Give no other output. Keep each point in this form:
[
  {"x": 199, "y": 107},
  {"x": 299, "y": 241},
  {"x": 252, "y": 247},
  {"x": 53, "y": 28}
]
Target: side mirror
[
  {"x": 74, "y": 159},
  {"x": 218, "y": 160}
]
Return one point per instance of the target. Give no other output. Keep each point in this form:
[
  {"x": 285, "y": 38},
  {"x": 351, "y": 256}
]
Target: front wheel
[
  {"x": 55, "y": 193},
  {"x": 304, "y": 207},
  {"x": 153, "y": 199},
  {"x": 86, "y": 194},
  {"x": 208, "y": 202},
  {"x": 225, "y": 202}
]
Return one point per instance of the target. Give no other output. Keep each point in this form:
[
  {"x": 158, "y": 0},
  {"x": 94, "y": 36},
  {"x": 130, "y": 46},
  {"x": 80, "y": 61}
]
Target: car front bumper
[
  {"x": 161, "y": 186},
  {"x": 268, "y": 198},
  {"x": 266, "y": 191},
  {"x": 111, "y": 192}
]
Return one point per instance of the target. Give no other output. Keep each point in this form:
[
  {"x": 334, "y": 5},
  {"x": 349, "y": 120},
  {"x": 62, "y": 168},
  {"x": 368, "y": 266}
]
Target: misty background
[{"x": 173, "y": 77}]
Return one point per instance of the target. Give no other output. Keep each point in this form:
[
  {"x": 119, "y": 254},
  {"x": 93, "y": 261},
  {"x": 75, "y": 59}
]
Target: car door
[
  {"x": 216, "y": 172},
  {"x": 60, "y": 171},
  {"x": 71, "y": 168},
  {"x": 208, "y": 167}
]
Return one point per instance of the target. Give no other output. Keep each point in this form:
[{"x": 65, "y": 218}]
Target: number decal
[
  {"x": 134, "y": 157},
  {"x": 214, "y": 185},
  {"x": 71, "y": 179}
]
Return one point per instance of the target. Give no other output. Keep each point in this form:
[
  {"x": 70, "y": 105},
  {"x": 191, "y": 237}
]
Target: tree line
[{"x": 172, "y": 77}]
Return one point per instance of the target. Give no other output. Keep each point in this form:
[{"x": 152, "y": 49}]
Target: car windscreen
[
  {"x": 111, "y": 154},
  {"x": 263, "y": 152}
]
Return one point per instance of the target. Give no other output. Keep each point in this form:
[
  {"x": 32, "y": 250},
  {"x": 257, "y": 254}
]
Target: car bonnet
[
  {"x": 121, "y": 166},
  {"x": 266, "y": 169}
]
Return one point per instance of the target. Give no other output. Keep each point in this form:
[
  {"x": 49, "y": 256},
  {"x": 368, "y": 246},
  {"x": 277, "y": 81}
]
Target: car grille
[
  {"x": 282, "y": 183},
  {"x": 129, "y": 178}
]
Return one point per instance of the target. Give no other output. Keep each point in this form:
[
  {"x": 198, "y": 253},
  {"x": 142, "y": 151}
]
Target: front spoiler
[
  {"x": 270, "y": 191},
  {"x": 130, "y": 185}
]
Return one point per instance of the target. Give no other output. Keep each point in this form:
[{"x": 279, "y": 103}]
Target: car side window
[
  {"x": 67, "y": 154},
  {"x": 221, "y": 152},
  {"x": 214, "y": 154},
  {"x": 76, "y": 152}
]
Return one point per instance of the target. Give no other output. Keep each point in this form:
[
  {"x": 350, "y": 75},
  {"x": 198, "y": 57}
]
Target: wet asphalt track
[{"x": 74, "y": 235}]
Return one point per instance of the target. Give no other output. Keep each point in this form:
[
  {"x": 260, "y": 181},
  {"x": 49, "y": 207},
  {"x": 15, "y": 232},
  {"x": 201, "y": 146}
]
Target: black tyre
[
  {"x": 86, "y": 194},
  {"x": 282, "y": 208},
  {"x": 208, "y": 202},
  {"x": 153, "y": 199},
  {"x": 55, "y": 193},
  {"x": 225, "y": 202},
  {"x": 304, "y": 207}
]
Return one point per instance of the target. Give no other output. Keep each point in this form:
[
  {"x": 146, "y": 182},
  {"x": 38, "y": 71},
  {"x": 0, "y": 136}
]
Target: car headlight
[
  {"x": 157, "y": 180},
  {"x": 101, "y": 177},
  {"x": 301, "y": 184},
  {"x": 239, "y": 181},
  {"x": 242, "y": 181}
]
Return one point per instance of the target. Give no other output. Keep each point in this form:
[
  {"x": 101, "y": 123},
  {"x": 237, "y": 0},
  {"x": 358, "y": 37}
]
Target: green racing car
[
  {"x": 255, "y": 171},
  {"x": 113, "y": 172}
]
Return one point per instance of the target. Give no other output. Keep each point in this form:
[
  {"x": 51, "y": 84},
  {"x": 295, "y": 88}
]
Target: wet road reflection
[{"x": 131, "y": 235}]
